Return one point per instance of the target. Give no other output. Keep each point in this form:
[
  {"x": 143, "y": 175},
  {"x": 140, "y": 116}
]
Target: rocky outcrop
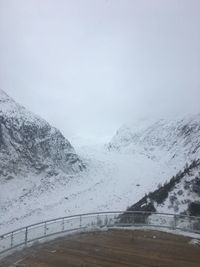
[{"x": 28, "y": 144}]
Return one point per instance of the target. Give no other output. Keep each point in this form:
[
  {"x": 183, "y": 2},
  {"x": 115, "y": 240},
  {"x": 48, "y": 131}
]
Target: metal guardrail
[{"x": 90, "y": 221}]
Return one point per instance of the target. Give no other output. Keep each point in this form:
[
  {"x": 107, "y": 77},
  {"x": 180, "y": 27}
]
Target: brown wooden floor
[{"x": 114, "y": 248}]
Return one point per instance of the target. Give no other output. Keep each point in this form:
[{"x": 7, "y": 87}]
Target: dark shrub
[{"x": 194, "y": 209}]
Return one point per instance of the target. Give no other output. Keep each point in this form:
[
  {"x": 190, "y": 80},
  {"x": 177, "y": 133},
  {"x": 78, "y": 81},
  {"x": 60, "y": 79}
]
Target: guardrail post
[
  {"x": 191, "y": 226},
  {"x": 63, "y": 225},
  {"x": 45, "y": 228},
  {"x": 175, "y": 222},
  {"x": 146, "y": 220},
  {"x": 80, "y": 221},
  {"x": 11, "y": 240},
  {"x": 106, "y": 221},
  {"x": 26, "y": 235}
]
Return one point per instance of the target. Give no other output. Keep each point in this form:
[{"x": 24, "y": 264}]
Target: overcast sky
[{"x": 88, "y": 66}]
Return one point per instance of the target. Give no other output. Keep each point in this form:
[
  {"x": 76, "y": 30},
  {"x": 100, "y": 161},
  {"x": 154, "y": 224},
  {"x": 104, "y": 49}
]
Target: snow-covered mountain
[
  {"x": 31, "y": 146},
  {"x": 172, "y": 141},
  {"x": 139, "y": 158},
  {"x": 173, "y": 144}
]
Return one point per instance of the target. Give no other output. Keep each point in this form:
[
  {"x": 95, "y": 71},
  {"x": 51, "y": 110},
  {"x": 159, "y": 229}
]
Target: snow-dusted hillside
[
  {"x": 30, "y": 146},
  {"x": 173, "y": 141},
  {"x": 172, "y": 144},
  {"x": 181, "y": 194}
]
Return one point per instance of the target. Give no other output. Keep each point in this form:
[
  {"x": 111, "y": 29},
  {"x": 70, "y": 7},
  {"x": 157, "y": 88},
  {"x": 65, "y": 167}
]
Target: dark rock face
[{"x": 30, "y": 144}]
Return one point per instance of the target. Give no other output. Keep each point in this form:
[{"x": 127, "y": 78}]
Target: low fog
[{"x": 89, "y": 66}]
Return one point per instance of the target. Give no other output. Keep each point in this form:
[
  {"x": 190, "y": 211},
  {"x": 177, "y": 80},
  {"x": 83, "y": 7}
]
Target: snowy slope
[
  {"x": 180, "y": 195},
  {"x": 29, "y": 145},
  {"x": 112, "y": 181},
  {"x": 173, "y": 141}
]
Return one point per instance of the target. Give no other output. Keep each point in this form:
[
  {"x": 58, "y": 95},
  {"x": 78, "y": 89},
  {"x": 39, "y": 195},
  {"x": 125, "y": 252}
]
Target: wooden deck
[{"x": 114, "y": 248}]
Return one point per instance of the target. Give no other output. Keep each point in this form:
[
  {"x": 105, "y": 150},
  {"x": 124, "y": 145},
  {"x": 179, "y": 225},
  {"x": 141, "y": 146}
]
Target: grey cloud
[{"x": 89, "y": 66}]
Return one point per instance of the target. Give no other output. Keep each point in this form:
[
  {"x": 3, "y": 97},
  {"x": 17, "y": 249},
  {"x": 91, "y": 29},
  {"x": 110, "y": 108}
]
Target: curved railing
[{"x": 94, "y": 221}]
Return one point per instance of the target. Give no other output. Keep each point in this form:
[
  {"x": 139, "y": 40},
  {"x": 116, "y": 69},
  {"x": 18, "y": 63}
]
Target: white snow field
[{"x": 113, "y": 181}]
